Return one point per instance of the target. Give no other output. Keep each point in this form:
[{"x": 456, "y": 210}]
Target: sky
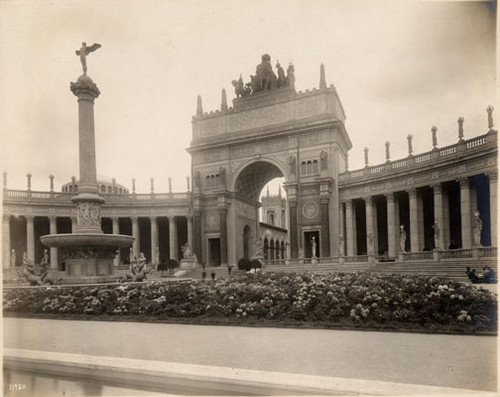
[{"x": 399, "y": 67}]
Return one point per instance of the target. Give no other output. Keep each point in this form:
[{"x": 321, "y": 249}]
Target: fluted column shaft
[
  {"x": 172, "y": 228},
  {"x": 53, "y": 250},
  {"x": 438, "y": 215},
  {"x": 350, "y": 228},
  {"x": 30, "y": 237},
  {"x": 137, "y": 238},
  {"x": 6, "y": 259},
  {"x": 493, "y": 178},
  {"x": 154, "y": 239},
  {"x": 294, "y": 243},
  {"x": 414, "y": 232},
  {"x": 465, "y": 213},
  {"x": 391, "y": 226},
  {"x": 190, "y": 231},
  {"x": 369, "y": 226}
]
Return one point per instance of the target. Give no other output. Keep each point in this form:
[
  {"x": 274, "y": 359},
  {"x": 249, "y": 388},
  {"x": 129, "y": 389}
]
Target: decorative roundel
[
  {"x": 213, "y": 218},
  {"x": 310, "y": 209}
]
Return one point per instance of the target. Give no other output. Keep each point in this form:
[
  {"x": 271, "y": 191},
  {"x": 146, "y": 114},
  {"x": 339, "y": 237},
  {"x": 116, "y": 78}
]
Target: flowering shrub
[{"x": 327, "y": 299}]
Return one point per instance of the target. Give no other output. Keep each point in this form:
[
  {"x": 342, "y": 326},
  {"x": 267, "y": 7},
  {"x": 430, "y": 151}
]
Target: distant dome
[{"x": 104, "y": 184}]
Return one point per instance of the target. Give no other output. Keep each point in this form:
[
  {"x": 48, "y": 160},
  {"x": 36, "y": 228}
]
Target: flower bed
[{"x": 313, "y": 299}]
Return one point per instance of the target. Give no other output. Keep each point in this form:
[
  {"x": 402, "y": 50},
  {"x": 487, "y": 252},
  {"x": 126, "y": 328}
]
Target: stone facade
[{"x": 418, "y": 207}]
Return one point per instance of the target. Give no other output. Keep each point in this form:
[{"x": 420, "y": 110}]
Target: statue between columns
[
  {"x": 436, "y": 235},
  {"x": 478, "y": 226},
  {"x": 402, "y": 239}
]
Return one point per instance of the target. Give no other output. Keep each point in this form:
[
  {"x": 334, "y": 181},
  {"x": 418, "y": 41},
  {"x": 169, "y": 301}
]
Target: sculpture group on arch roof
[{"x": 265, "y": 78}]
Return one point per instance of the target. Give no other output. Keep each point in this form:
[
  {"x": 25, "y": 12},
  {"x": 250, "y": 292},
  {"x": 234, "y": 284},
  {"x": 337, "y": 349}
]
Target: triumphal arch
[{"x": 270, "y": 131}]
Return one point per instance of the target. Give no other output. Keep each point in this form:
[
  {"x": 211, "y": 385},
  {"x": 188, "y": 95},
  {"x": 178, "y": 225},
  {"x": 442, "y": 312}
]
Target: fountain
[{"x": 88, "y": 252}]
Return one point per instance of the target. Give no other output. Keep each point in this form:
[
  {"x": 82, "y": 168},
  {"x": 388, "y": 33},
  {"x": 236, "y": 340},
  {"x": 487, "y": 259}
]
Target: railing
[
  {"x": 487, "y": 252},
  {"x": 476, "y": 142},
  {"x": 398, "y": 165},
  {"x": 109, "y": 197},
  {"x": 422, "y": 158},
  {"x": 456, "y": 254},
  {"x": 416, "y": 256},
  {"x": 357, "y": 258}
]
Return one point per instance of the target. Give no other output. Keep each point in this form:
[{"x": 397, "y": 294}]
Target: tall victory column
[{"x": 87, "y": 252}]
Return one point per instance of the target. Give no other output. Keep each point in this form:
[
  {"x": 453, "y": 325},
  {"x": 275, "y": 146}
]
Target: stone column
[
  {"x": 116, "y": 230},
  {"x": 30, "y": 237},
  {"x": 294, "y": 243},
  {"x": 6, "y": 250},
  {"x": 414, "y": 231},
  {"x": 465, "y": 213},
  {"x": 53, "y": 250},
  {"x": 172, "y": 234},
  {"x": 190, "y": 231},
  {"x": 446, "y": 219},
  {"x": 154, "y": 239},
  {"x": 391, "y": 226},
  {"x": 325, "y": 227},
  {"x": 349, "y": 227},
  {"x": 73, "y": 224},
  {"x": 421, "y": 225},
  {"x": 137, "y": 238},
  {"x": 341, "y": 230},
  {"x": 493, "y": 178},
  {"x": 197, "y": 235},
  {"x": 438, "y": 215},
  {"x": 223, "y": 235},
  {"x": 369, "y": 226}
]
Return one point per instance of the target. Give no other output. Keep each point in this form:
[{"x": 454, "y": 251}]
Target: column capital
[
  {"x": 153, "y": 218},
  {"x": 29, "y": 218},
  {"x": 348, "y": 203},
  {"x": 492, "y": 176},
  {"x": 464, "y": 183},
  {"x": 171, "y": 218},
  {"x": 134, "y": 218},
  {"x": 368, "y": 200},
  {"x": 52, "y": 218},
  {"x": 389, "y": 196},
  {"x": 437, "y": 188},
  {"x": 6, "y": 217},
  {"x": 412, "y": 193}
]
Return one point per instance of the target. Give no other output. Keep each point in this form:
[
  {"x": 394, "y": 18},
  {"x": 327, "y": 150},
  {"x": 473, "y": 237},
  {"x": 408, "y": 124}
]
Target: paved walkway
[{"x": 450, "y": 361}]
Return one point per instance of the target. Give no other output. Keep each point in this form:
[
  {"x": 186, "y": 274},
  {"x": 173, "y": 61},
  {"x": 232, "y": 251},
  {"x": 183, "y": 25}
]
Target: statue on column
[
  {"x": 402, "y": 239},
  {"x": 436, "y": 235},
  {"x": 478, "y": 226},
  {"x": 84, "y": 51}
]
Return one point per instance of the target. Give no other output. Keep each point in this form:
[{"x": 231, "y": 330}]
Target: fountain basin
[
  {"x": 87, "y": 255},
  {"x": 86, "y": 239}
]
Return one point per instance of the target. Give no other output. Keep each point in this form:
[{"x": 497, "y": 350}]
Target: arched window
[
  {"x": 110, "y": 189},
  {"x": 315, "y": 166},
  {"x": 309, "y": 167},
  {"x": 270, "y": 217},
  {"x": 303, "y": 168},
  {"x": 103, "y": 189}
]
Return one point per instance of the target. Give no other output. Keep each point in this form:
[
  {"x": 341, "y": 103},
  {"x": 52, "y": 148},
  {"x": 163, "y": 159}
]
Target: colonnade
[
  {"x": 155, "y": 244},
  {"x": 439, "y": 216}
]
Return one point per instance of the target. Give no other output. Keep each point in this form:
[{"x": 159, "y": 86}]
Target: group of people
[{"x": 487, "y": 275}]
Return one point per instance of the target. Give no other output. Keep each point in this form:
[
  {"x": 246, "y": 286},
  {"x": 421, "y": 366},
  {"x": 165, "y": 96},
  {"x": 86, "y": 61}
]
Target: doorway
[
  {"x": 309, "y": 237},
  {"x": 214, "y": 252}
]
